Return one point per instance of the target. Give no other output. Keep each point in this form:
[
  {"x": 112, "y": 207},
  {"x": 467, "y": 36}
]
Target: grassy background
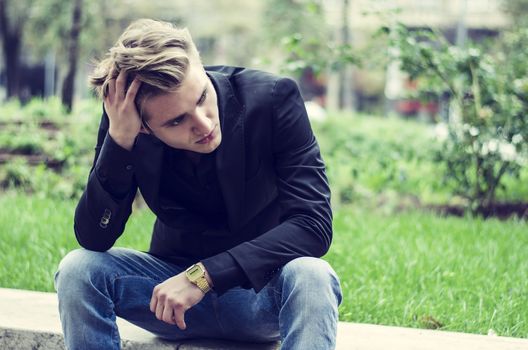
[{"x": 414, "y": 269}]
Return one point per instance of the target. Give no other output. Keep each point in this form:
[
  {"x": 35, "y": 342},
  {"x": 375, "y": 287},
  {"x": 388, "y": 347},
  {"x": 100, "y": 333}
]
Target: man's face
[{"x": 188, "y": 118}]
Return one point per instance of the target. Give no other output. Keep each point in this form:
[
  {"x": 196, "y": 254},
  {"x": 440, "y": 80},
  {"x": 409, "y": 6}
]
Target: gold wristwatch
[{"x": 196, "y": 275}]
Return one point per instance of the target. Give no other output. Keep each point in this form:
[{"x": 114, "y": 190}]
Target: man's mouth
[{"x": 207, "y": 138}]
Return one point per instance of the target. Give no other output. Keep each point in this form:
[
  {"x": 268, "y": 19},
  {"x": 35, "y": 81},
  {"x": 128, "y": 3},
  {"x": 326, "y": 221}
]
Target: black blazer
[{"x": 270, "y": 172}]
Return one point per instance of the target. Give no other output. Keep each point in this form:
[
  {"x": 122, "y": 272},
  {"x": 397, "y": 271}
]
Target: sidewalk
[{"x": 29, "y": 320}]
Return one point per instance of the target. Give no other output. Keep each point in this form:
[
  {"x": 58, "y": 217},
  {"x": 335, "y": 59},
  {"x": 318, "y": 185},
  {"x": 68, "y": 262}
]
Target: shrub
[
  {"x": 488, "y": 128},
  {"x": 18, "y": 174},
  {"x": 370, "y": 156},
  {"x": 66, "y": 151}
]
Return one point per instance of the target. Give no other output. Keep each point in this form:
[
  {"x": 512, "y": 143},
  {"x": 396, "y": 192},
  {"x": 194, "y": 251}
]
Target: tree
[
  {"x": 300, "y": 26},
  {"x": 73, "y": 56},
  {"x": 346, "y": 91},
  {"x": 89, "y": 28},
  {"x": 71, "y": 30},
  {"x": 13, "y": 19}
]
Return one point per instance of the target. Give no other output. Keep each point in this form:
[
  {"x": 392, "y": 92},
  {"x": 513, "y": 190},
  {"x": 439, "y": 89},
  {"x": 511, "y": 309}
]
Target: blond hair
[{"x": 155, "y": 52}]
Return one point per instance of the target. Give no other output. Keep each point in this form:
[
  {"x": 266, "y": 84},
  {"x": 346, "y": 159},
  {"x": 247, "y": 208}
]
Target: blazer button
[{"x": 105, "y": 220}]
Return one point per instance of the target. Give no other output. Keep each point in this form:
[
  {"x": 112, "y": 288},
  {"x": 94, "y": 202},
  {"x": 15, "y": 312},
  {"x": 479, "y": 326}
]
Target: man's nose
[{"x": 201, "y": 124}]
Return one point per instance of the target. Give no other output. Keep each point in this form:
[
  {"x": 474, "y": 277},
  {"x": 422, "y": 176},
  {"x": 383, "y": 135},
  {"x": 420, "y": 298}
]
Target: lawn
[{"x": 411, "y": 269}]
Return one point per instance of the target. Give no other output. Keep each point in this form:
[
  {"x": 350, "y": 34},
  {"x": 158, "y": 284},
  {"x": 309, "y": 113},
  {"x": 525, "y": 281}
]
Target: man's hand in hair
[{"x": 125, "y": 122}]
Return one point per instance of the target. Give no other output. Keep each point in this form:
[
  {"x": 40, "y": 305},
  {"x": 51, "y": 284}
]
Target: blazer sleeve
[
  {"x": 304, "y": 198},
  {"x": 106, "y": 203}
]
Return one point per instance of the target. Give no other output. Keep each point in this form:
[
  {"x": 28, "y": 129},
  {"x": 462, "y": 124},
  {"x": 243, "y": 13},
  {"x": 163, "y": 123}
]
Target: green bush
[
  {"x": 18, "y": 174},
  {"x": 371, "y": 161},
  {"x": 67, "y": 146},
  {"x": 50, "y": 109},
  {"x": 389, "y": 162},
  {"x": 370, "y": 156},
  {"x": 488, "y": 130},
  {"x": 25, "y": 139},
  {"x": 36, "y": 110}
]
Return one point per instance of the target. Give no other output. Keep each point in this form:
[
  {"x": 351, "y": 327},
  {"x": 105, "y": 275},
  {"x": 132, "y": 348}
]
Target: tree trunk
[
  {"x": 11, "y": 41},
  {"x": 68, "y": 87},
  {"x": 346, "y": 80},
  {"x": 12, "y": 66}
]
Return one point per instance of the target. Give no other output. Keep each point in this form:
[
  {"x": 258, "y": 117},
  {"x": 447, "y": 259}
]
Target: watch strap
[{"x": 203, "y": 284}]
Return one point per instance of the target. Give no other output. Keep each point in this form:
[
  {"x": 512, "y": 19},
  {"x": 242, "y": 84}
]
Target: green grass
[
  {"x": 35, "y": 233},
  {"x": 418, "y": 270},
  {"x": 412, "y": 269}
]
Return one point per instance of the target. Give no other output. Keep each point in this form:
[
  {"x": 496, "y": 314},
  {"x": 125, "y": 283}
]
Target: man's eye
[
  {"x": 176, "y": 121},
  {"x": 202, "y": 98}
]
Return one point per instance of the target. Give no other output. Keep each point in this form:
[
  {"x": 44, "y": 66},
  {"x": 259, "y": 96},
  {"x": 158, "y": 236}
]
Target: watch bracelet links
[{"x": 203, "y": 285}]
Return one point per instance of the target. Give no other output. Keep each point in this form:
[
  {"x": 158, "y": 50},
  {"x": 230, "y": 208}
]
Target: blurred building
[
  {"x": 457, "y": 19},
  {"x": 371, "y": 14}
]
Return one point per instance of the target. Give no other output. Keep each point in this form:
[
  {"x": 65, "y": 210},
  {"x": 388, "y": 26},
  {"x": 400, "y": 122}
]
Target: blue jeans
[{"x": 298, "y": 306}]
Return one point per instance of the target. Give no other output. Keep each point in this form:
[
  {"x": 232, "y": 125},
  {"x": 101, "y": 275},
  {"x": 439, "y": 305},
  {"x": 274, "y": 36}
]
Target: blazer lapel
[{"x": 230, "y": 156}]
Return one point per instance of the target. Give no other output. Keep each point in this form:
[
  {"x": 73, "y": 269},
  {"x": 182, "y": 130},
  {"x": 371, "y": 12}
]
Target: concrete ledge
[
  {"x": 26, "y": 339},
  {"x": 29, "y": 320}
]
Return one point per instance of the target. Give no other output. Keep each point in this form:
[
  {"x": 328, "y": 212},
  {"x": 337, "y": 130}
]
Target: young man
[{"x": 226, "y": 159}]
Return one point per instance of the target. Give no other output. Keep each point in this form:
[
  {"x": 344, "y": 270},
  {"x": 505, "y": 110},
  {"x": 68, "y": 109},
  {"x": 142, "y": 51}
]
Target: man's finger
[
  {"x": 179, "y": 317},
  {"x": 159, "y": 309},
  {"x": 132, "y": 90},
  {"x": 168, "y": 314},
  {"x": 120, "y": 84},
  {"x": 110, "y": 93},
  {"x": 153, "y": 303}
]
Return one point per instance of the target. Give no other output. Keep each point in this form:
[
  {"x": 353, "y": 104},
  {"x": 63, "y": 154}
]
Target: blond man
[{"x": 226, "y": 159}]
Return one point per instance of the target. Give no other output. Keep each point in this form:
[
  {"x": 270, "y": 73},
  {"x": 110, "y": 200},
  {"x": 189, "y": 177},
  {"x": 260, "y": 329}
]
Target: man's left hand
[{"x": 172, "y": 298}]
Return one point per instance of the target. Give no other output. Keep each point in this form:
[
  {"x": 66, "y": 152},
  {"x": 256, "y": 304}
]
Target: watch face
[{"x": 195, "y": 272}]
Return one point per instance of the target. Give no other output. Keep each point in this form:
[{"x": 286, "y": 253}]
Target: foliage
[
  {"x": 17, "y": 174},
  {"x": 300, "y": 27},
  {"x": 306, "y": 52},
  {"x": 517, "y": 10},
  {"x": 369, "y": 159},
  {"x": 34, "y": 112},
  {"x": 489, "y": 93},
  {"x": 26, "y": 140},
  {"x": 65, "y": 150},
  {"x": 102, "y": 21}
]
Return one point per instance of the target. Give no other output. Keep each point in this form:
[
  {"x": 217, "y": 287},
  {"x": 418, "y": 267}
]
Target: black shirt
[{"x": 194, "y": 185}]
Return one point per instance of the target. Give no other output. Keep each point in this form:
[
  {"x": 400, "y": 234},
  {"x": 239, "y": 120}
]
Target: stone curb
[{"x": 29, "y": 320}]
